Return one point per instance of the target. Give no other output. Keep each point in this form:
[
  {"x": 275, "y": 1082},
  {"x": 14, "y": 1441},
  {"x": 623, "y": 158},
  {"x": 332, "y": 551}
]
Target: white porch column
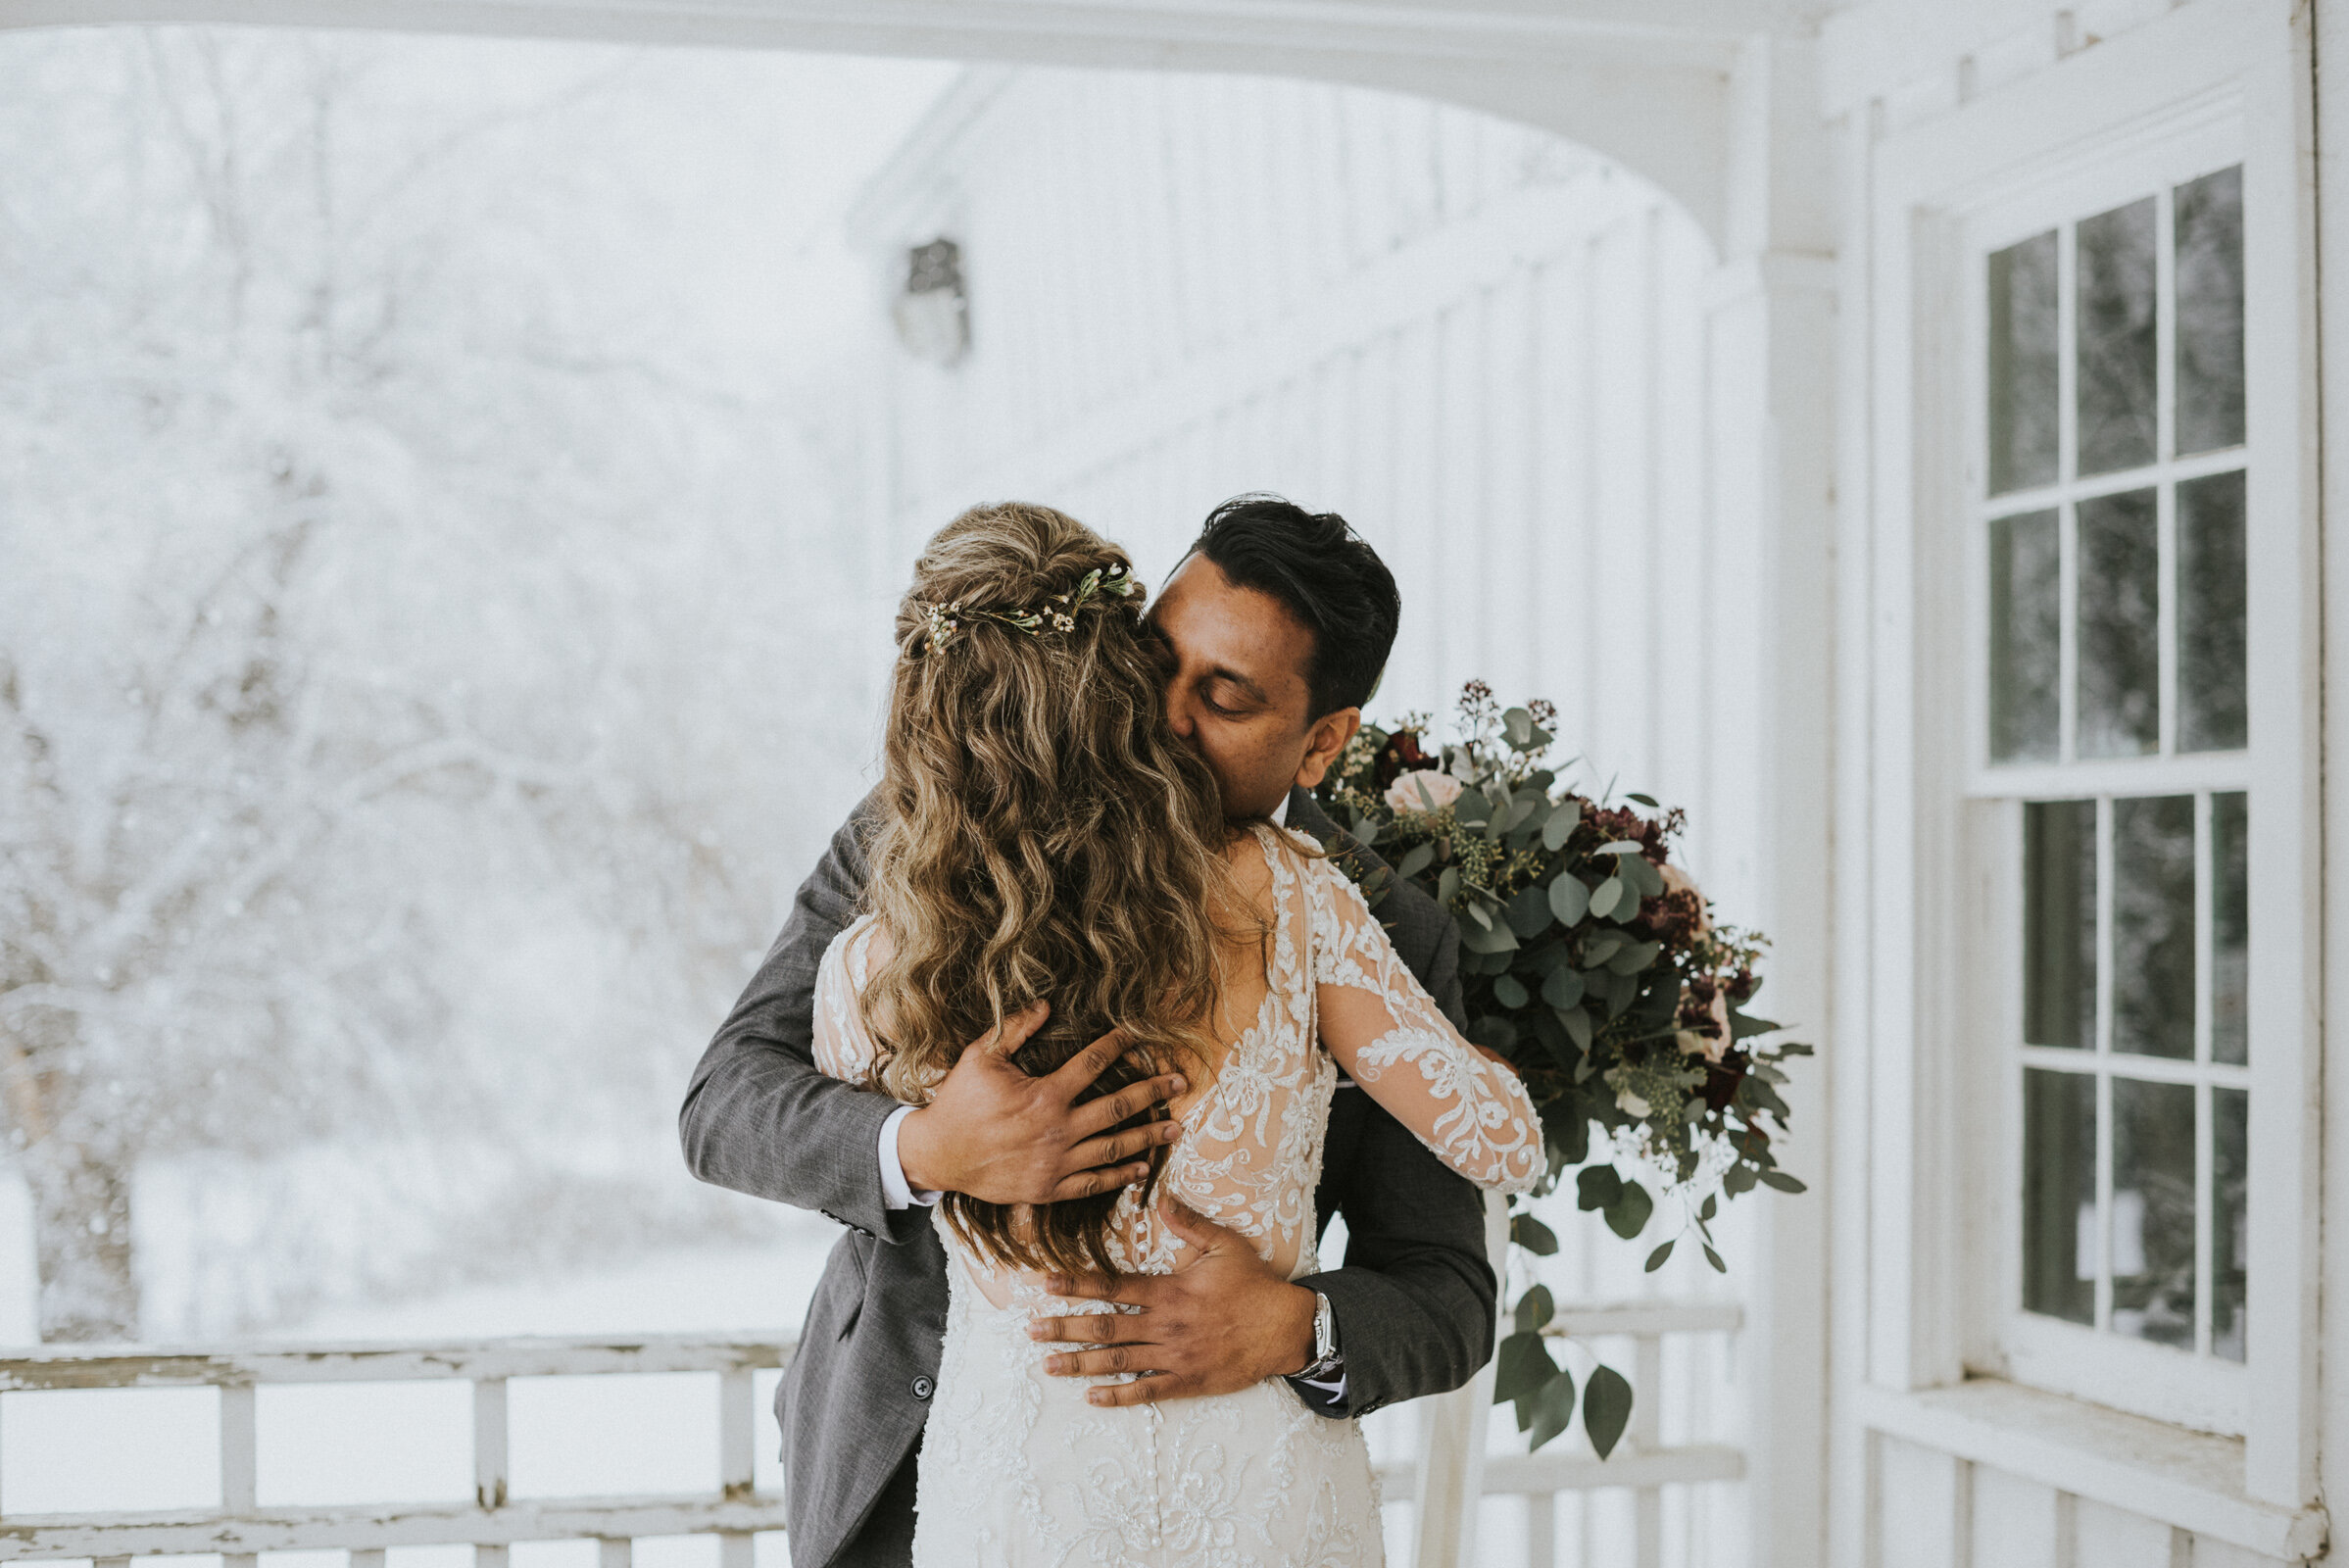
[{"x": 1771, "y": 347}]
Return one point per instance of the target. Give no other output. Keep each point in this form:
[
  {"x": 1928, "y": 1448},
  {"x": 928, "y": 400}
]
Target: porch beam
[{"x": 1647, "y": 84}]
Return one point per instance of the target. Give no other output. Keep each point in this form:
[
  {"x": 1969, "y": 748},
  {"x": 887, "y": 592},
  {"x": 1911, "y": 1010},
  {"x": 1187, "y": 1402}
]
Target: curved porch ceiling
[{"x": 1645, "y": 82}]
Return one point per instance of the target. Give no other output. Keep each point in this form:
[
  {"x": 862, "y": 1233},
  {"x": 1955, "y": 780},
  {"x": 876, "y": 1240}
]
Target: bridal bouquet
[{"x": 1593, "y": 963}]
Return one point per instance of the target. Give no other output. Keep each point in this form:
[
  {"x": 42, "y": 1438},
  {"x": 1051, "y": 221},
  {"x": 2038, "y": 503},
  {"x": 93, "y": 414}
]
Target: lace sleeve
[
  {"x": 1384, "y": 1029},
  {"x": 844, "y": 1050}
]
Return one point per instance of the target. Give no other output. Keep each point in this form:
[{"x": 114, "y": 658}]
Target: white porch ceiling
[{"x": 1645, "y": 81}]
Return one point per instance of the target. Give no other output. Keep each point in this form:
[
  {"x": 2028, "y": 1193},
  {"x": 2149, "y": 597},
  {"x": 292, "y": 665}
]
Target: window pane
[
  {"x": 2230, "y": 1110},
  {"x": 2022, "y": 365},
  {"x": 2210, "y": 312},
  {"x": 2059, "y": 1195},
  {"x": 2211, "y": 593},
  {"x": 2153, "y": 1211},
  {"x": 2026, "y": 613},
  {"x": 2153, "y": 926},
  {"x": 2059, "y": 923},
  {"x": 2231, "y": 928},
  {"x": 2117, "y": 422},
  {"x": 2118, "y": 625}
]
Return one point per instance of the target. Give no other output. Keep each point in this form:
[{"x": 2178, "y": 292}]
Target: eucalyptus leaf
[
  {"x": 1529, "y": 911},
  {"x": 1521, "y": 1368},
  {"x": 1628, "y": 1215},
  {"x": 1598, "y": 1187},
  {"x": 1608, "y": 895},
  {"x": 1647, "y": 801},
  {"x": 1644, "y": 875},
  {"x": 1553, "y": 1409},
  {"x": 1563, "y": 819},
  {"x": 1714, "y": 1258},
  {"x": 1782, "y": 1181},
  {"x": 1510, "y": 992},
  {"x": 1563, "y": 988},
  {"x": 1569, "y": 900},
  {"x": 1655, "y": 1259},
  {"x": 1532, "y": 1234},
  {"x": 1448, "y": 886},
  {"x": 1620, "y": 847},
  {"x": 1535, "y": 1308},
  {"x": 1486, "y": 938},
  {"x": 1634, "y": 957},
  {"x": 1476, "y": 913},
  {"x": 1577, "y": 1026},
  {"x": 1415, "y": 860},
  {"x": 1607, "y": 1409}
]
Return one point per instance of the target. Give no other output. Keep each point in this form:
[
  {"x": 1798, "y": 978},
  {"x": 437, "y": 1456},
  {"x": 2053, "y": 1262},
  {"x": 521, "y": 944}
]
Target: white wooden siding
[{"x": 1948, "y": 110}]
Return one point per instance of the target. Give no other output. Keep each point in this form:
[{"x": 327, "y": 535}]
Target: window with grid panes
[{"x": 2113, "y": 511}]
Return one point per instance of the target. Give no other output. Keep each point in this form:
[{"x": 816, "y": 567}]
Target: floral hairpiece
[{"x": 1058, "y": 612}]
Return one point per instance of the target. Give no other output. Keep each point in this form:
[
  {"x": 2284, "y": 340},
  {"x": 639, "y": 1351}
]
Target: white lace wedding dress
[{"x": 1016, "y": 1468}]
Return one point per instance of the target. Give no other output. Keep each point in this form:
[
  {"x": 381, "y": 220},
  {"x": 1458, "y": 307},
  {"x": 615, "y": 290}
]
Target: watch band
[{"x": 1326, "y": 1359}]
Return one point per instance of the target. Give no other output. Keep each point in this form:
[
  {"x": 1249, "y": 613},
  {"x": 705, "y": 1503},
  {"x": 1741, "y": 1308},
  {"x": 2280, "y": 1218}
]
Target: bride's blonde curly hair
[{"x": 1042, "y": 834}]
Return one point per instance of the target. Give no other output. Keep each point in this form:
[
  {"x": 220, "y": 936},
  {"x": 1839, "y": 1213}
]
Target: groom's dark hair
[{"x": 1325, "y": 575}]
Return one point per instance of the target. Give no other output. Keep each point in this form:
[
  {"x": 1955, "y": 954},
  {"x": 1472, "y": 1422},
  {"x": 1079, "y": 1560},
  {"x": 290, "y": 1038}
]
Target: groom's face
[{"x": 1237, "y": 688}]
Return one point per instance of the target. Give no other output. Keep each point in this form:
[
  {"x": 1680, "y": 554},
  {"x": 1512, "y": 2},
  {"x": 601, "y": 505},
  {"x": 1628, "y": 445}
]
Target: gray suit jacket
[{"x": 1414, "y": 1301}]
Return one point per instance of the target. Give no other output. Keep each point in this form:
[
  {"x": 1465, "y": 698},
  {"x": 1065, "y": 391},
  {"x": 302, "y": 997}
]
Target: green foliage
[
  {"x": 1607, "y": 1409},
  {"x": 1592, "y": 963}
]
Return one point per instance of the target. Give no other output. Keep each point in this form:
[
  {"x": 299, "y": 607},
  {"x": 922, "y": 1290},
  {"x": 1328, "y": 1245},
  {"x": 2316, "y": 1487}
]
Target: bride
[{"x": 1044, "y": 835}]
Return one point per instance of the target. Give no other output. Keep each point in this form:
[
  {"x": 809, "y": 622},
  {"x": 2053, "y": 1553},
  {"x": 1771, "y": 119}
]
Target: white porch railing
[
  {"x": 1451, "y": 1469},
  {"x": 239, "y": 1528},
  {"x": 1446, "y": 1532}
]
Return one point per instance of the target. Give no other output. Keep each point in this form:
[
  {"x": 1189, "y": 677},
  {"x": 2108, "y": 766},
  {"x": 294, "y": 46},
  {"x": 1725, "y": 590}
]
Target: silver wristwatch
[{"x": 1326, "y": 1359}]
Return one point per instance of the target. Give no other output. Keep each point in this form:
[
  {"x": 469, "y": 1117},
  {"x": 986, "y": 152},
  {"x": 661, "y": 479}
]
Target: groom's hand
[
  {"x": 1222, "y": 1322},
  {"x": 993, "y": 1132}
]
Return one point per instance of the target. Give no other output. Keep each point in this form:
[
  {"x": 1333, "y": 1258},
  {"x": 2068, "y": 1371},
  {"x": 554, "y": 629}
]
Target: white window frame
[
  {"x": 1938, "y": 1235},
  {"x": 2189, "y": 1388}
]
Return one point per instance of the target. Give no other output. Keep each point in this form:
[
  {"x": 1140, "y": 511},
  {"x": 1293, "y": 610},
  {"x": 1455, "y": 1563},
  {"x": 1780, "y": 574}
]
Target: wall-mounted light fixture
[{"x": 932, "y": 311}]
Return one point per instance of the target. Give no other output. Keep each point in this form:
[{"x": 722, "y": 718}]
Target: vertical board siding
[{"x": 1489, "y": 351}]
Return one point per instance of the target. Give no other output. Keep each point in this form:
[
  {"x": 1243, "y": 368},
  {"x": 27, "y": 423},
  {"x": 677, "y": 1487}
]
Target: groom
[{"x": 1280, "y": 623}]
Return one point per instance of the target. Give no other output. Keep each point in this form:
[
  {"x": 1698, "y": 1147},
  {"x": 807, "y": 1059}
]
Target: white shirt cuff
[{"x": 896, "y": 1191}]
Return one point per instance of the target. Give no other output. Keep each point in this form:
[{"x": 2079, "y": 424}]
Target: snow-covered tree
[{"x": 394, "y": 579}]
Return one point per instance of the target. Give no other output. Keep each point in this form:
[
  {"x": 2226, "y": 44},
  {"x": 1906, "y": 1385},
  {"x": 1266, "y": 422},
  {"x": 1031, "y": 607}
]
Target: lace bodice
[
  {"x": 1335, "y": 993},
  {"x": 1015, "y": 1467}
]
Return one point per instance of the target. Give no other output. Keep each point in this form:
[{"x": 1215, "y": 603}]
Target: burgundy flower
[
  {"x": 1400, "y": 755},
  {"x": 1722, "y": 1079}
]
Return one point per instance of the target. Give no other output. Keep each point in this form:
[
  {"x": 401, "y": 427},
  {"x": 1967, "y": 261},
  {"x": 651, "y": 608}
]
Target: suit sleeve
[
  {"x": 759, "y": 1117},
  {"x": 1415, "y": 1300}
]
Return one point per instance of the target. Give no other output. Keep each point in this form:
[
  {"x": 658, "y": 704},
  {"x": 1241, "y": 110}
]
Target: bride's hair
[{"x": 1042, "y": 834}]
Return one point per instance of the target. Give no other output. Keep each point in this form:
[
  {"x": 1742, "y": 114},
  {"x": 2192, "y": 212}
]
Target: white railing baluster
[
  {"x": 737, "y": 1421},
  {"x": 1541, "y": 1530},
  {"x": 737, "y": 1406},
  {"x": 610, "y": 1553},
  {"x": 489, "y": 1460},
  {"x": 1451, "y": 1440},
  {"x": 489, "y": 1443},
  {"x": 1647, "y": 1413},
  {"x": 240, "y": 1461}
]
